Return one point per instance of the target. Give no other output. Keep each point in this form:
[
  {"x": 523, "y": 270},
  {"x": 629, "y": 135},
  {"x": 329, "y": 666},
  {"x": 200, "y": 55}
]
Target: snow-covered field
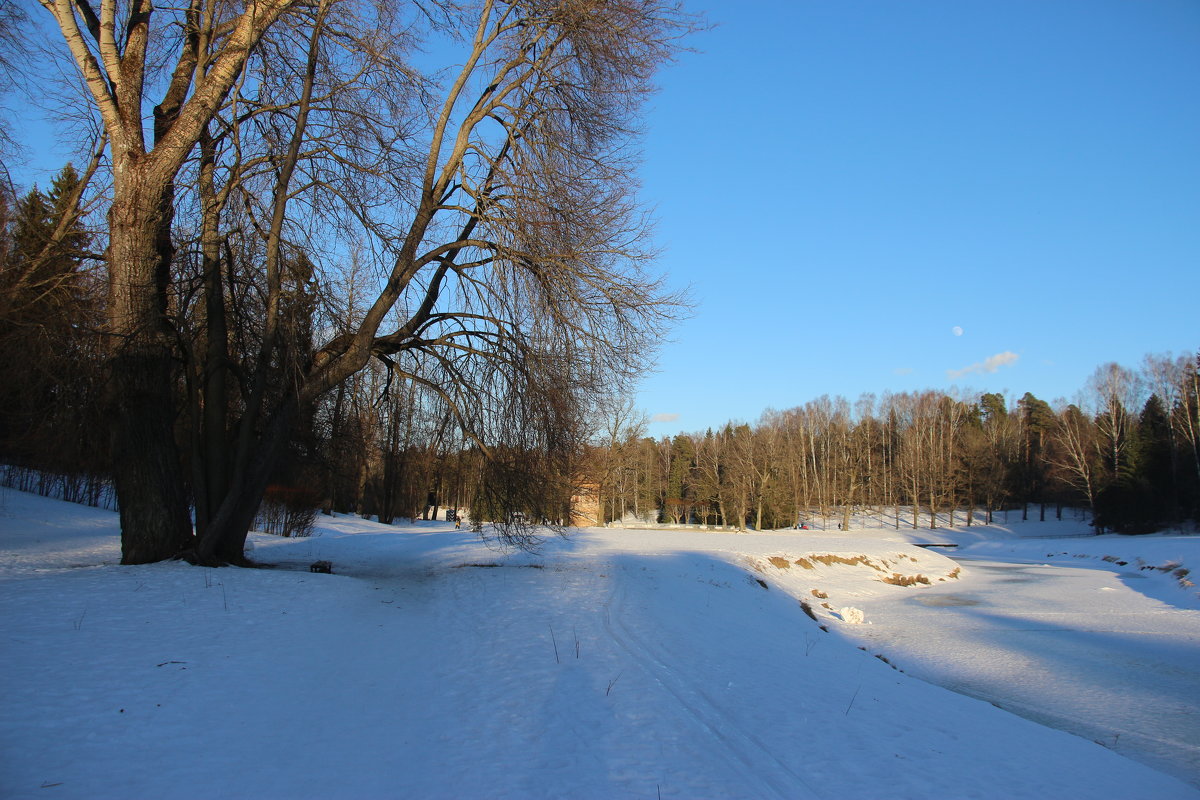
[{"x": 617, "y": 663}]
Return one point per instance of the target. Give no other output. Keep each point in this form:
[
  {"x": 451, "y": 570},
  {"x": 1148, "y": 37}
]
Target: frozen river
[{"x": 1074, "y": 648}]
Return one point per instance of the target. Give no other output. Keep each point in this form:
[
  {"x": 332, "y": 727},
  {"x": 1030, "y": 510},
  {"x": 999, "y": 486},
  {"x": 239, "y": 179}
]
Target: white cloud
[
  {"x": 989, "y": 364},
  {"x": 664, "y": 418},
  {"x": 902, "y": 371}
]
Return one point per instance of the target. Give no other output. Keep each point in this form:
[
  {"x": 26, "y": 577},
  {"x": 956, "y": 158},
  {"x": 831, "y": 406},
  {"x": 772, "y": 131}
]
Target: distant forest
[{"x": 1128, "y": 451}]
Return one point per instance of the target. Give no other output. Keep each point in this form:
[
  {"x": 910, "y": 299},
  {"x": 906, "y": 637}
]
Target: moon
[{"x": 957, "y": 330}]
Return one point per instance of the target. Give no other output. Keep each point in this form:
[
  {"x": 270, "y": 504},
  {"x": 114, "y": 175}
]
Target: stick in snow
[{"x": 852, "y": 700}]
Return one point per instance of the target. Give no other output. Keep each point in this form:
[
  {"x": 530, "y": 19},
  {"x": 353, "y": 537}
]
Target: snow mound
[{"x": 852, "y": 616}]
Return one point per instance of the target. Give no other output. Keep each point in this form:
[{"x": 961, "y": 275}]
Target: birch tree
[{"x": 1076, "y": 452}]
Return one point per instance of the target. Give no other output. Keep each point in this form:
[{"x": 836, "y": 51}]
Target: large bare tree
[
  {"x": 495, "y": 197},
  {"x": 116, "y": 49}
]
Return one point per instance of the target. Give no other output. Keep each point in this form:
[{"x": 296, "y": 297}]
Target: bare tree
[
  {"x": 1175, "y": 381},
  {"x": 795, "y": 475},
  {"x": 116, "y": 49},
  {"x": 1076, "y": 453},
  {"x": 14, "y": 48},
  {"x": 993, "y": 454},
  {"x": 1186, "y": 415},
  {"x": 502, "y": 218},
  {"x": 621, "y": 425},
  {"x": 1116, "y": 391},
  {"x": 712, "y": 472}
]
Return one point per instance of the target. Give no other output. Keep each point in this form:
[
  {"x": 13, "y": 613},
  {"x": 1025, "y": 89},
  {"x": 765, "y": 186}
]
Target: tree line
[
  {"x": 383, "y": 445},
  {"x": 1127, "y": 450}
]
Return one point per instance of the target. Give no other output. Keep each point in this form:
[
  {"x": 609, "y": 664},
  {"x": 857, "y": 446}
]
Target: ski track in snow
[{"x": 747, "y": 749}]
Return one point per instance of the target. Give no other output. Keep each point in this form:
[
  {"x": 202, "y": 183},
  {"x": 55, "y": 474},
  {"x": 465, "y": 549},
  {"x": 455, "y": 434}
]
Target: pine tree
[
  {"x": 1152, "y": 463},
  {"x": 1141, "y": 496},
  {"x": 1037, "y": 420},
  {"x": 48, "y": 351},
  {"x": 42, "y": 276},
  {"x": 679, "y": 499}
]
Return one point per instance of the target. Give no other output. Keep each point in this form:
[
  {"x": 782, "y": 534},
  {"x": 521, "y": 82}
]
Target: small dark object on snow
[{"x": 321, "y": 566}]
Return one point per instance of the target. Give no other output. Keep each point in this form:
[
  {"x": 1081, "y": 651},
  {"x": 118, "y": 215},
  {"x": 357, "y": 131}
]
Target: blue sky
[{"x": 871, "y": 196}]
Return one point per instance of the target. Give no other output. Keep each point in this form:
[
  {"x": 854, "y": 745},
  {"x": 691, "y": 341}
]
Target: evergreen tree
[
  {"x": 1141, "y": 496},
  {"x": 1154, "y": 457},
  {"x": 679, "y": 499},
  {"x": 48, "y": 351},
  {"x": 992, "y": 408},
  {"x": 1037, "y": 422},
  {"x": 42, "y": 278}
]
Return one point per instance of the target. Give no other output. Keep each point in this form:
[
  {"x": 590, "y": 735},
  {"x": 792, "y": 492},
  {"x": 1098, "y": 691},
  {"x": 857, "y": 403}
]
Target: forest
[{"x": 1127, "y": 450}]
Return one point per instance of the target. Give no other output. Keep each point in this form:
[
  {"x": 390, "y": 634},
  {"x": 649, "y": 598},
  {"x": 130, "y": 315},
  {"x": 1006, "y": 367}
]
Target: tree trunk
[
  {"x": 213, "y": 470},
  {"x": 333, "y": 463},
  {"x": 147, "y": 468},
  {"x": 155, "y": 520},
  {"x": 225, "y": 540}
]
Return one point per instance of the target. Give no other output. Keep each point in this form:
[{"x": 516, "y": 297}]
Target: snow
[
  {"x": 615, "y": 663},
  {"x": 852, "y": 616},
  {"x": 1076, "y": 632}
]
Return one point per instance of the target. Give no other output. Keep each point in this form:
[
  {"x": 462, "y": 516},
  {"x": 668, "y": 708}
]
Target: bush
[
  {"x": 288, "y": 511},
  {"x": 896, "y": 579},
  {"x": 82, "y": 488}
]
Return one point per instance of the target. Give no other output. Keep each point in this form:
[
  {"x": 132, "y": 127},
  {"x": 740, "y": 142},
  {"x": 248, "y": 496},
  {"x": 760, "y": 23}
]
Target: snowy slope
[
  {"x": 1059, "y": 630},
  {"x": 612, "y": 664}
]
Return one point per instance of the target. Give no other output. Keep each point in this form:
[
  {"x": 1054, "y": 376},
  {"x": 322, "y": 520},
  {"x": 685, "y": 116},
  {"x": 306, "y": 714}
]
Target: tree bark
[
  {"x": 224, "y": 542},
  {"x": 147, "y": 471}
]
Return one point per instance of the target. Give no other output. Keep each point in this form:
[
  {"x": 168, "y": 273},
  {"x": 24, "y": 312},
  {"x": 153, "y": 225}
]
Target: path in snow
[{"x": 1076, "y": 649}]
